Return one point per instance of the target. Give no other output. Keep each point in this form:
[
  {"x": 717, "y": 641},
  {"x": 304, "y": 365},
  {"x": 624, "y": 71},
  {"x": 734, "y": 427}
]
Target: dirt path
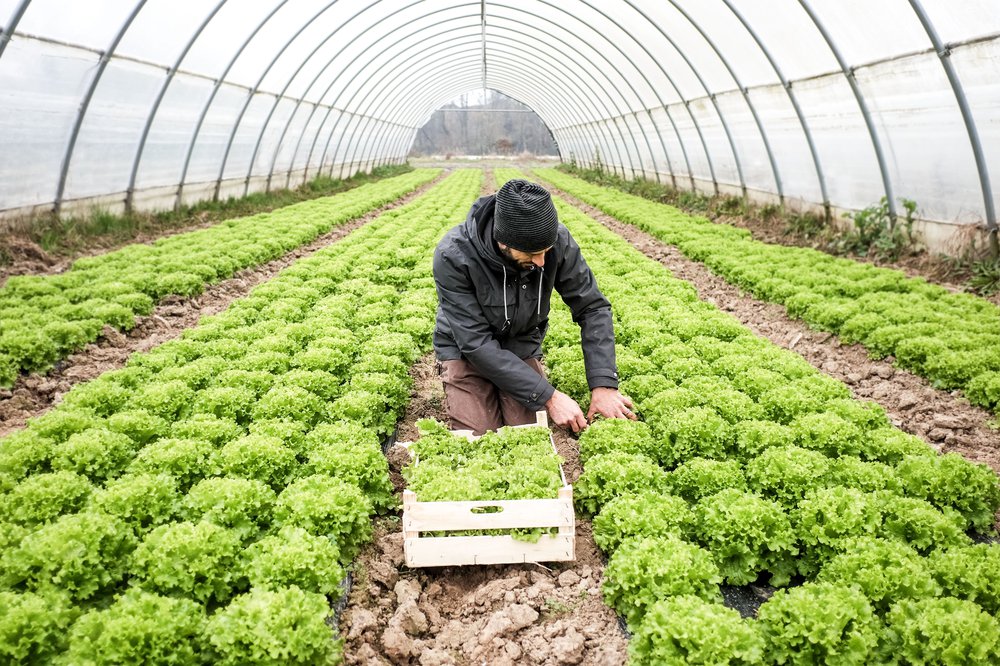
[
  {"x": 524, "y": 614},
  {"x": 33, "y": 394},
  {"x": 945, "y": 420}
]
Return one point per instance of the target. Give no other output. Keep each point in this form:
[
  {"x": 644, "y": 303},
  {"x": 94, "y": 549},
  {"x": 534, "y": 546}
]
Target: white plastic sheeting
[{"x": 159, "y": 102}]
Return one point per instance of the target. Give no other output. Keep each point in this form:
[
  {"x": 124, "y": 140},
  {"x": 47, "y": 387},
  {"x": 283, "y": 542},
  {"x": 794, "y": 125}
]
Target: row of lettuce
[
  {"x": 198, "y": 505},
  {"x": 751, "y": 466},
  {"x": 43, "y": 319},
  {"x": 952, "y": 339}
]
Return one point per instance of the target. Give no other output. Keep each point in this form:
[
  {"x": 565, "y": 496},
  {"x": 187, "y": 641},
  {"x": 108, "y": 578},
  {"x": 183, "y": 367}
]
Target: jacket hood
[{"x": 479, "y": 229}]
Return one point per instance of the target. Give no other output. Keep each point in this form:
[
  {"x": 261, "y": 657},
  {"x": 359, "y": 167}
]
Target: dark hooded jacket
[{"x": 493, "y": 313}]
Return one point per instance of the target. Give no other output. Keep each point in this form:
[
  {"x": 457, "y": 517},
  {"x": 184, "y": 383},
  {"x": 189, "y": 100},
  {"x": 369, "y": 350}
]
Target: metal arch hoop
[
  {"x": 431, "y": 74},
  {"x": 786, "y": 84},
  {"x": 621, "y": 114},
  {"x": 518, "y": 41},
  {"x": 336, "y": 150},
  {"x": 746, "y": 98},
  {"x": 312, "y": 83},
  {"x": 291, "y": 79},
  {"x": 687, "y": 107},
  {"x": 849, "y": 75},
  {"x": 381, "y": 140},
  {"x": 568, "y": 92},
  {"x": 7, "y": 32},
  {"x": 256, "y": 87},
  {"x": 130, "y": 192},
  {"x": 211, "y": 98},
  {"x": 944, "y": 55},
  {"x": 652, "y": 89},
  {"x": 85, "y": 104},
  {"x": 514, "y": 88}
]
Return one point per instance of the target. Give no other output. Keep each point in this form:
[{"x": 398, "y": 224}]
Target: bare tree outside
[{"x": 500, "y": 125}]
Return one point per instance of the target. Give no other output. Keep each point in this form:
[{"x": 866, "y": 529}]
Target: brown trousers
[{"x": 475, "y": 403}]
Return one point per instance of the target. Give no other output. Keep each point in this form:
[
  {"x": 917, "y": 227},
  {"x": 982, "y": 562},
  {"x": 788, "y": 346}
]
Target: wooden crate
[{"x": 439, "y": 551}]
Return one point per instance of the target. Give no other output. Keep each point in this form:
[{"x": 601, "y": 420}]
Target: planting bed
[
  {"x": 45, "y": 318},
  {"x": 202, "y": 503},
  {"x": 952, "y": 339}
]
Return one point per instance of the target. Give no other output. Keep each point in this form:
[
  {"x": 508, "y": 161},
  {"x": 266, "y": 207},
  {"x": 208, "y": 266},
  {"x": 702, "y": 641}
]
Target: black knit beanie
[{"x": 525, "y": 217}]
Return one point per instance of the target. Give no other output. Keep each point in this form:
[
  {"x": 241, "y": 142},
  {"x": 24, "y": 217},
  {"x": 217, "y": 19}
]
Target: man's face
[{"x": 524, "y": 259}]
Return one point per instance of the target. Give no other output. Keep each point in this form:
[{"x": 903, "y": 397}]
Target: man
[{"x": 494, "y": 276}]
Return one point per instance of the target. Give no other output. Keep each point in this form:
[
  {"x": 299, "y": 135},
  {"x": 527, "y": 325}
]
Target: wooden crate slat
[
  {"x": 430, "y": 551},
  {"x": 470, "y": 550},
  {"x": 443, "y": 516}
]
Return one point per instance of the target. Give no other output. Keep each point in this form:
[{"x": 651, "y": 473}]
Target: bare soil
[
  {"x": 34, "y": 394},
  {"x": 944, "y": 419},
  {"x": 503, "y": 614}
]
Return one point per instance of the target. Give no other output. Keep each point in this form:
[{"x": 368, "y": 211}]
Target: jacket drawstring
[
  {"x": 505, "y": 294},
  {"x": 541, "y": 274}
]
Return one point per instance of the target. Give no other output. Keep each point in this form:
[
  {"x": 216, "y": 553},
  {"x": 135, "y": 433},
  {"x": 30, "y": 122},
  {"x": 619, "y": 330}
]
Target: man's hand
[
  {"x": 609, "y": 403},
  {"x": 565, "y": 412}
]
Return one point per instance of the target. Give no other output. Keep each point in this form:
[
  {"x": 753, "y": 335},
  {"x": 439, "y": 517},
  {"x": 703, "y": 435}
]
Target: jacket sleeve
[
  {"x": 577, "y": 286},
  {"x": 472, "y": 333}
]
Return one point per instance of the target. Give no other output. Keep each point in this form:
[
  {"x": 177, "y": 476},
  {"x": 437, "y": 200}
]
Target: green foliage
[
  {"x": 98, "y": 454},
  {"x": 819, "y": 623},
  {"x": 352, "y": 454},
  {"x": 607, "y": 435},
  {"x": 941, "y": 631},
  {"x": 686, "y": 629},
  {"x": 641, "y": 514},
  {"x": 81, "y": 555},
  {"x": 186, "y": 460},
  {"x": 33, "y": 626},
  {"x": 701, "y": 477},
  {"x": 196, "y": 561},
  {"x": 295, "y": 557},
  {"x": 260, "y": 458},
  {"x": 829, "y": 518},
  {"x": 746, "y": 536},
  {"x": 42, "y": 498},
  {"x": 140, "y": 628},
  {"x": 609, "y": 475},
  {"x": 325, "y": 506},
  {"x": 644, "y": 571},
  {"x": 920, "y": 524},
  {"x": 141, "y": 501},
  {"x": 951, "y": 481},
  {"x": 886, "y": 571},
  {"x": 60, "y": 313},
  {"x": 242, "y": 505},
  {"x": 787, "y": 473},
  {"x": 273, "y": 627},
  {"x": 969, "y": 572},
  {"x": 876, "y": 232},
  {"x": 689, "y": 433}
]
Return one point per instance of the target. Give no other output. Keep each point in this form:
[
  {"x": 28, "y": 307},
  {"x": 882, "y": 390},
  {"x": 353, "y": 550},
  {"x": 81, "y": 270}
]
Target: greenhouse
[{"x": 283, "y": 380}]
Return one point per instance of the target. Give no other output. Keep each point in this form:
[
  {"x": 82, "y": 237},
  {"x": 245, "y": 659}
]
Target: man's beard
[{"x": 505, "y": 251}]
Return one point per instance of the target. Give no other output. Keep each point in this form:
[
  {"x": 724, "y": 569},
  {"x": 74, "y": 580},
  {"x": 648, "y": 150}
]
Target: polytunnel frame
[
  {"x": 308, "y": 58},
  {"x": 385, "y": 83},
  {"x": 942, "y": 50},
  {"x": 178, "y": 201},
  {"x": 512, "y": 87},
  {"x": 379, "y": 100},
  {"x": 317, "y": 135},
  {"x": 364, "y": 105},
  {"x": 323, "y": 70},
  {"x": 335, "y": 153},
  {"x": 787, "y": 86}
]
